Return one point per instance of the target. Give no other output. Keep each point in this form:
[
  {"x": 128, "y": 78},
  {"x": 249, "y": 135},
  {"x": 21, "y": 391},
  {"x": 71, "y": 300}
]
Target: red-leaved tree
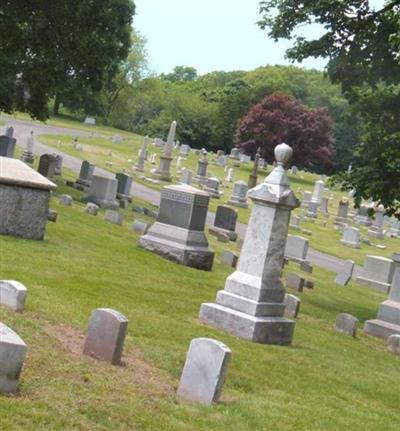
[{"x": 282, "y": 118}]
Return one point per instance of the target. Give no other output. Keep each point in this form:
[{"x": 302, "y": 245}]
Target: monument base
[
  {"x": 237, "y": 202},
  {"x": 162, "y": 173},
  {"x": 264, "y": 330},
  {"x": 216, "y": 230},
  {"x": 380, "y": 328},
  {"x": 179, "y": 245},
  {"x": 377, "y": 285},
  {"x": 350, "y": 244}
]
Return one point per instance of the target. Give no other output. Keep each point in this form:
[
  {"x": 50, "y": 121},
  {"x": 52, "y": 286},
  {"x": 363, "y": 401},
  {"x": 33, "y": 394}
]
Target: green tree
[
  {"x": 49, "y": 45},
  {"x": 181, "y": 74},
  {"x": 362, "y": 45}
]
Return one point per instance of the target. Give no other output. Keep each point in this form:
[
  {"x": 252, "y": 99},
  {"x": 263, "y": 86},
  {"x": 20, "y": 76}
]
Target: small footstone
[
  {"x": 292, "y": 305},
  {"x": 294, "y": 281},
  {"x": 137, "y": 209},
  {"x": 140, "y": 227},
  {"x": 204, "y": 371},
  {"x": 114, "y": 217},
  {"x": 106, "y": 335},
  {"x": 346, "y": 324},
  {"x": 12, "y": 356},
  {"x": 229, "y": 258},
  {"x": 306, "y": 266},
  {"x": 52, "y": 216},
  {"x": 344, "y": 277},
  {"x": 393, "y": 343},
  {"x": 66, "y": 200},
  {"x": 150, "y": 213},
  {"x": 13, "y": 295},
  {"x": 309, "y": 284},
  {"x": 91, "y": 208}
]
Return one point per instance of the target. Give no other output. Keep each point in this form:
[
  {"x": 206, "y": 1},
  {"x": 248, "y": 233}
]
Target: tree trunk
[{"x": 57, "y": 103}]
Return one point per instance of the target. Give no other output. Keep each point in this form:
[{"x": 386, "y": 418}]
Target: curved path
[{"x": 22, "y": 128}]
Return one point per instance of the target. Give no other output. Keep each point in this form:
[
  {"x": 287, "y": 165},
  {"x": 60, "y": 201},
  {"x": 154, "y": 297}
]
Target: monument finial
[{"x": 283, "y": 154}]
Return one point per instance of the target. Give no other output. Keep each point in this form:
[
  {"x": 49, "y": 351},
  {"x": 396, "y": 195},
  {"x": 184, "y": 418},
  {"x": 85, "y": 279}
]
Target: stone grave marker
[
  {"x": 239, "y": 195},
  {"x": 351, "y": 237},
  {"x": 225, "y": 222},
  {"x": 106, "y": 335},
  {"x": 47, "y": 165},
  {"x": 346, "y": 324},
  {"x": 140, "y": 227},
  {"x": 229, "y": 258},
  {"x": 13, "y": 295},
  {"x": 103, "y": 192},
  {"x": 114, "y": 217},
  {"x": 292, "y": 305},
  {"x": 204, "y": 371},
  {"x": 65, "y": 200},
  {"x": 92, "y": 208},
  {"x": 296, "y": 248},
  {"x": 377, "y": 273},
  {"x": 393, "y": 344},
  {"x": 294, "y": 281},
  {"x": 344, "y": 277}
]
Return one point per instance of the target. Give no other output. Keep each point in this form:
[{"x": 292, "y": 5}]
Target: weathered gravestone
[
  {"x": 12, "y": 356},
  {"x": 229, "y": 258},
  {"x": 142, "y": 155},
  {"x": 344, "y": 277},
  {"x": 24, "y": 200},
  {"x": 225, "y": 222},
  {"x": 306, "y": 199},
  {"x": 140, "y": 227},
  {"x": 124, "y": 186},
  {"x": 7, "y": 143},
  {"x": 27, "y": 155},
  {"x": 294, "y": 281},
  {"x": 239, "y": 195},
  {"x": 388, "y": 320},
  {"x": 103, "y": 192},
  {"x": 201, "y": 175},
  {"x": 362, "y": 216},
  {"x": 318, "y": 192},
  {"x": 296, "y": 248},
  {"x": 342, "y": 212},
  {"x": 292, "y": 305},
  {"x": 212, "y": 187},
  {"x": 377, "y": 273},
  {"x": 346, "y": 324},
  {"x": 52, "y": 216},
  {"x": 47, "y": 165},
  {"x": 13, "y": 295},
  {"x": 163, "y": 172},
  {"x": 59, "y": 163},
  {"x": 204, "y": 372},
  {"x": 114, "y": 217},
  {"x": 65, "y": 200},
  {"x": 106, "y": 335},
  {"x": 235, "y": 153},
  {"x": 178, "y": 233},
  {"x": 186, "y": 177},
  {"x": 393, "y": 344},
  {"x": 312, "y": 209},
  {"x": 351, "y": 237},
  {"x": 376, "y": 230},
  {"x": 253, "y": 177},
  {"x": 91, "y": 208},
  {"x": 85, "y": 175},
  {"x": 251, "y": 305}
]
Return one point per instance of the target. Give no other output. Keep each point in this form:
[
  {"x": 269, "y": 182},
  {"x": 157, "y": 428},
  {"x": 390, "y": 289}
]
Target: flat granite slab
[{"x": 16, "y": 173}]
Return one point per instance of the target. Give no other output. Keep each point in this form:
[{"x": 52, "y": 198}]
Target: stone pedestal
[
  {"x": 388, "y": 320},
  {"x": 103, "y": 192},
  {"x": 377, "y": 273},
  {"x": 178, "y": 233},
  {"x": 24, "y": 200},
  {"x": 251, "y": 306},
  {"x": 85, "y": 176},
  {"x": 163, "y": 172},
  {"x": 139, "y": 167},
  {"x": 201, "y": 175}
]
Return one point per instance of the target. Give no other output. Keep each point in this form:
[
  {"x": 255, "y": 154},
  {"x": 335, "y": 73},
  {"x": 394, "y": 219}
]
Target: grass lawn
[{"x": 324, "y": 381}]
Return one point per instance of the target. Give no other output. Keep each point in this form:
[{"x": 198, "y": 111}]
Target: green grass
[{"x": 324, "y": 381}]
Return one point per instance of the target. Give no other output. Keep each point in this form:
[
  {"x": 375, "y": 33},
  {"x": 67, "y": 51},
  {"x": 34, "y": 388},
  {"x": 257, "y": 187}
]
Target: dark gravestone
[
  {"x": 124, "y": 185},
  {"x": 85, "y": 174},
  {"x": 225, "y": 222},
  {"x": 106, "y": 335},
  {"x": 294, "y": 281},
  {"x": 7, "y": 146},
  {"x": 47, "y": 165}
]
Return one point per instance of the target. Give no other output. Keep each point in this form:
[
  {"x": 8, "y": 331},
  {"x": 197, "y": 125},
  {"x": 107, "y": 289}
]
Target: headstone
[
  {"x": 312, "y": 209},
  {"x": 294, "y": 281},
  {"x": 296, "y": 248},
  {"x": 92, "y": 208},
  {"x": 114, "y": 217},
  {"x": 318, "y": 192},
  {"x": 142, "y": 155},
  {"x": 59, "y": 163},
  {"x": 65, "y": 200},
  {"x": 342, "y": 212},
  {"x": 252, "y": 304},
  {"x": 163, "y": 172},
  {"x": 351, "y": 237},
  {"x": 90, "y": 121},
  {"x": 362, "y": 216},
  {"x": 244, "y": 158},
  {"x": 140, "y": 227},
  {"x": 306, "y": 199},
  {"x": 292, "y": 306},
  {"x": 27, "y": 155},
  {"x": 253, "y": 176},
  {"x": 225, "y": 222},
  {"x": 24, "y": 200},
  {"x": 393, "y": 344},
  {"x": 229, "y": 176},
  {"x": 212, "y": 187},
  {"x": 204, "y": 372},
  {"x": 52, "y": 216},
  {"x": 158, "y": 142},
  {"x": 178, "y": 233},
  {"x": 376, "y": 230},
  {"x": 346, "y": 324},
  {"x": 228, "y": 258},
  {"x": 47, "y": 166},
  {"x": 13, "y": 295},
  {"x": 124, "y": 186},
  {"x": 295, "y": 222},
  {"x": 12, "y": 356},
  {"x": 306, "y": 266},
  {"x": 117, "y": 139},
  {"x": 324, "y": 205},
  {"x": 103, "y": 192},
  {"x": 344, "y": 277},
  {"x": 106, "y": 335},
  {"x": 377, "y": 273},
  {"x": 186, "y": 177},
  {"x": 235, "y": 153},
  {"x": 184, "y": 150},
  {"x": 294, "y": 170},
  {"x": 7, "y": 143},
  {"x": 201, "y": 175},
  {"x": 394, "y": 228},
  {"x": 85, "y": 174},
  {"x": 239, "y": 195}
]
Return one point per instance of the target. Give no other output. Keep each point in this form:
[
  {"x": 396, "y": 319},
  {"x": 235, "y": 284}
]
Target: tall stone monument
[
  {"x": 27, "y": 155},
  {"x": 142, "y": 155},
  {"x": 178, "y": 233},
  {"x": 253, "y": 176},
  {"x": 163, "y": 172},
  {"x": 252, "y": 304},
  {"x": 318, "y": 192},
  {"x": 201, "y": 175}
]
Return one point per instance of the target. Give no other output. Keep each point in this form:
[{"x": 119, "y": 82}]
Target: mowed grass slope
[{"x": 324, "y": 381}]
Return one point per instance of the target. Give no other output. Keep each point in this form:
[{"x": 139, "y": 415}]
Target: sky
[{"x": 209, "y": 35}]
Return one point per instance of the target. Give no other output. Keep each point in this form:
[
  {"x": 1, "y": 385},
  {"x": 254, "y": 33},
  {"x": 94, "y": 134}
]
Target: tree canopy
[{"x": 47, "y": 46}]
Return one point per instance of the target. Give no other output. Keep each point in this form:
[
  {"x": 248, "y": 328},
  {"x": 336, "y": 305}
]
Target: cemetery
[{"x": 198, "y": 252}]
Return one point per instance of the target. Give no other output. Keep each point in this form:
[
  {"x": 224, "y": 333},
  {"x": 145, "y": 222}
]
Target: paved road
[{"x": 22, "y": 129}]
